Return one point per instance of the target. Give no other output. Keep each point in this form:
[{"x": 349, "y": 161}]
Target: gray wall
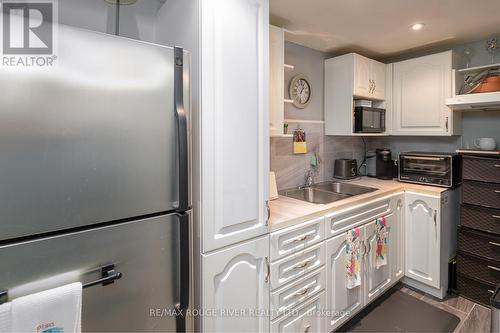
[{"x": 290, "y": 169}]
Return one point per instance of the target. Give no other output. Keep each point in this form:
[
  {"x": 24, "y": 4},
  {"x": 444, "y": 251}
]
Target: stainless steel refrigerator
[{"x": 95, "y": 178}]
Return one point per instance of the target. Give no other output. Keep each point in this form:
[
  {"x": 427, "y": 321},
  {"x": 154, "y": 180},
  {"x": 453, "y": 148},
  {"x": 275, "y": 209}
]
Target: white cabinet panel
[
  {"x": 397, "y": 238},
  {"x": 379, "y": 279},
  {"x": 236, "y": 278},
  {"x": 306, "y": 318},
  {"x": 296, "y": 265},
  {"x": 422, "y": 238},
  {"x": 340, "y": 300},
  {"x": 235, "y": 138},
  {"x": 428, "y": 76},
  {"x": 293, "y": 294},
  {"x": 276, "y": 80},
  {"x": 297, "y": 237},
  {"x": 377, "y": 71},
  {"x": 362, "y": 76}
]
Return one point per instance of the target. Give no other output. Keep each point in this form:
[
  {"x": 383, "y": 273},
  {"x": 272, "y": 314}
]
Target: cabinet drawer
[
  {"x": 480, "y": 218},
  {"x": 476, "y": 291},
  {"x": 344, "y": 220},
  {"x": 296, "y": 238},
  {"x": 481, "y": 168},
  {"x": 307, "y": 318},
  {"x": 485, "y": 270},
  {"x": 479, "y": 244},
  {"x": 296, "y": 265},
  {"x": 481, "y": 194},
  {"x": 293, "y": 294}
]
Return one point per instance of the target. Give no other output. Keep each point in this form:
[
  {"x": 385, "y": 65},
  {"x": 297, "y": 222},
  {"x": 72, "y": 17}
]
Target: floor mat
[{"x": 401, "y": 312}]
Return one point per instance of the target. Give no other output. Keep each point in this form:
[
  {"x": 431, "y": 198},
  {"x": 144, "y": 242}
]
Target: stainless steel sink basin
[
  {"x": 344, "y": 188},
  {"x": 313, "y": 195},
  {"x": 326, "y": 192}
]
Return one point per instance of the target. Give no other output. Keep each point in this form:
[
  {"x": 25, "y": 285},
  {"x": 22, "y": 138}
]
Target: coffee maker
[{"x": 384, "y": 165}]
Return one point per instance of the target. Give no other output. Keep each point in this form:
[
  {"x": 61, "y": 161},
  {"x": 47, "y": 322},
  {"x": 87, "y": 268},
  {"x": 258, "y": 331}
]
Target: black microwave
[{"x": 369, "y": 120}]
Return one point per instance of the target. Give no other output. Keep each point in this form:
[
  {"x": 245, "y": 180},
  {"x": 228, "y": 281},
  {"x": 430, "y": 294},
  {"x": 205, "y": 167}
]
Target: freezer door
[
  {"x": 94, "y": 139},
  {"x": 146, "y": 252}
]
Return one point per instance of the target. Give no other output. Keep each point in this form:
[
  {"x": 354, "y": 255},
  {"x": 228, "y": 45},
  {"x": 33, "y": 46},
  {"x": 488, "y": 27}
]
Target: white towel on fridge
[
  {"x": 55, "y": 310},
  {"x": 5, "y": 315}
]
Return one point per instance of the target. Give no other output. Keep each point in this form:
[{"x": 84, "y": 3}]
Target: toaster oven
[{"x": 438, "y": 169}]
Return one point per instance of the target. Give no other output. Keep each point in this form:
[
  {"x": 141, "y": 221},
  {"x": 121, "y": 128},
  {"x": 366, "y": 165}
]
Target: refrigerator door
[
  {"x": 146, "y": 252},
  {"x": 94, "y": 139}
]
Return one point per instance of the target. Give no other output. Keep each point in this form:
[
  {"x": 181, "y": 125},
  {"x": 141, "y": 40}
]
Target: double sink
[{"x": 326, "y": 192}]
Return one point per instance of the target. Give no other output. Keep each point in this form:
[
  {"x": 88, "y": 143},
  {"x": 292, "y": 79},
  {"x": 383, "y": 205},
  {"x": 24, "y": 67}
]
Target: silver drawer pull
[
  {"x": 493, "y": 243},
  {"x": 300, "y": 293},
  {"x": 300, "y": 239},
  {"x": 304, "y": 264},
  {"x": 494, "y": 268},
  {"x": 497, "y": 191},
  {"x": 495, "y": 216},
  {"x": 491, "y": 291},
  {"x": 497, "y": 165},
  {"x": 306, "y": 328}
]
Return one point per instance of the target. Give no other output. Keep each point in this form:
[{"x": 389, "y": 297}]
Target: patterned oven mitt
[
  {"x": 381, "y": 252},
  {"x": 352, "y": 259}
]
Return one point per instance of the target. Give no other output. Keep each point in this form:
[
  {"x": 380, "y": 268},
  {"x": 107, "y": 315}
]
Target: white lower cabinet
[
  {"x": 397, "y": 238},
  {"x": 377, "y": 280},
  {"x": 422, "y": 243},
  {"x": 342, "y": 303},
  {"x": 237, "y": 279},
  {"x": 307, "y": 318}
]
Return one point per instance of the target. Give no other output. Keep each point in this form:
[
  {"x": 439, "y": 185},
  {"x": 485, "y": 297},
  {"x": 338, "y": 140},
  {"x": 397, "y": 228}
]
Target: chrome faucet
[{"x": 309, "y": 178}]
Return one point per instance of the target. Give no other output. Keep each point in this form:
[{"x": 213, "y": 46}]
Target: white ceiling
[{"x": 382, "y": 28}]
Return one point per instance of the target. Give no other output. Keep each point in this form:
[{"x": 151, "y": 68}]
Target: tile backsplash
[{"x": 290, "y": 169}]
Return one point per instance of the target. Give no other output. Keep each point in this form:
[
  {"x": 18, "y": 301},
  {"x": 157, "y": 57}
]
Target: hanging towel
[
  {"x": 5, "y": 314},
  {"x": 352, "y": 259},
  {"x": 51, "y": 311},
  {"x": 381, "y": 253}
]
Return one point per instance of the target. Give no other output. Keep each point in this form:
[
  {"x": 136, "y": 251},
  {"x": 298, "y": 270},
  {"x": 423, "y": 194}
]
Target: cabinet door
[
  {"x": 377, "y": 280},
  {"x": 428, "y": 76},
  {"x": 276, "y": 80},
  {"x": 397, "y": 238},
  {"x": 422, "y": 238},
  {"x": 342, "y": 301},
  {"x": 235, "y": 120},
  {"x": 362, "y": 85},
  {"x": 377, "y": 75},
  {"x": 237, "y": 279}
]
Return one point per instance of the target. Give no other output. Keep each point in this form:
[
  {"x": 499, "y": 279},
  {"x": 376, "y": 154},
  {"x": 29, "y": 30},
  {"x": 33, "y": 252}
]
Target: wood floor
[{"x": 473, "y": 317}]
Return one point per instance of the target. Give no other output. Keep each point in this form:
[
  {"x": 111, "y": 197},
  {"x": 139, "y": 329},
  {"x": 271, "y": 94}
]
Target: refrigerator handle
[
  {"x": 184, "y": 257},
  {"x": 180, "y": 114}
]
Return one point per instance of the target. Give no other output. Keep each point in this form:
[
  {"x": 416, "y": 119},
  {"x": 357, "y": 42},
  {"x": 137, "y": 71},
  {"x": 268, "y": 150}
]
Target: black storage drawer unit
[
  {"x": 487, "y": 271},
  {"x": 481, "y": 194},
  {"x": 481, "y": 169},
  {"x": 474, "y": 290},
  {"x": 480, "y": 218},
  {"x": 479, "y": 243}
]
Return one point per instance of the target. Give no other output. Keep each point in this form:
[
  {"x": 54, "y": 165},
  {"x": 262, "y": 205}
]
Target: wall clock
[{"x": 300, "y": 91}]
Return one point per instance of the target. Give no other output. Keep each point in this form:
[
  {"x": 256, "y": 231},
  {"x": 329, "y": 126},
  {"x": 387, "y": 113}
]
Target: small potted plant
[{"x": 285, "y": 128}]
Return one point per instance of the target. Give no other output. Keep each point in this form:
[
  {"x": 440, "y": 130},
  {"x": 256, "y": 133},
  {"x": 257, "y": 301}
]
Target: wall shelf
[
  {"x": 289, "y": 67},
  {"x": 288, "y": 101},
  {"x": 477, "y": 68},
  {"x": 304, "y": 121}
]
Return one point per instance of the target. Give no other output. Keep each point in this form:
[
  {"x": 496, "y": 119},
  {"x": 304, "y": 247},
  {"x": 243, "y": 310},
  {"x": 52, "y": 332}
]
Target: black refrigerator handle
[
  {"x": 184, "y": 276},
  {"x": 180, "y": 114}
]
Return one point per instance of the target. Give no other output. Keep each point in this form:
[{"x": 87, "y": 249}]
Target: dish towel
[
  {"x": 381, "y": 253},
  {"x": 5, "y": 314},
  {"x": 51, "y": 311},
  {"x": 352, "y": 259}
]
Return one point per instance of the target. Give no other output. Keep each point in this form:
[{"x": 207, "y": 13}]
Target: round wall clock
[{"x": 300, "y": 91}]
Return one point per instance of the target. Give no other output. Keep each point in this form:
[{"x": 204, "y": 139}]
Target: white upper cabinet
[
  {"x": 369, "y": 78},
  {"x": 422, "y": 238},
  {"x": 237, "y": 278},
  {"x": 234, "y": 120},
  {"x": 276, "y": 80},
  {"x": 420, "y": 89},
  {"x": 349, "y": 77}
]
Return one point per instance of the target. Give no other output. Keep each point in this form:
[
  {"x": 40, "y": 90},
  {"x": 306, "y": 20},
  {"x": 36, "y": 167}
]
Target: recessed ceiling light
[{"x": 417, "y": 26}]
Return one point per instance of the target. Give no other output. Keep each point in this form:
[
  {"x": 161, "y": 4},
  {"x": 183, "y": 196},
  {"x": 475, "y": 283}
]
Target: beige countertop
[{"x": 286, "y": 211}]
